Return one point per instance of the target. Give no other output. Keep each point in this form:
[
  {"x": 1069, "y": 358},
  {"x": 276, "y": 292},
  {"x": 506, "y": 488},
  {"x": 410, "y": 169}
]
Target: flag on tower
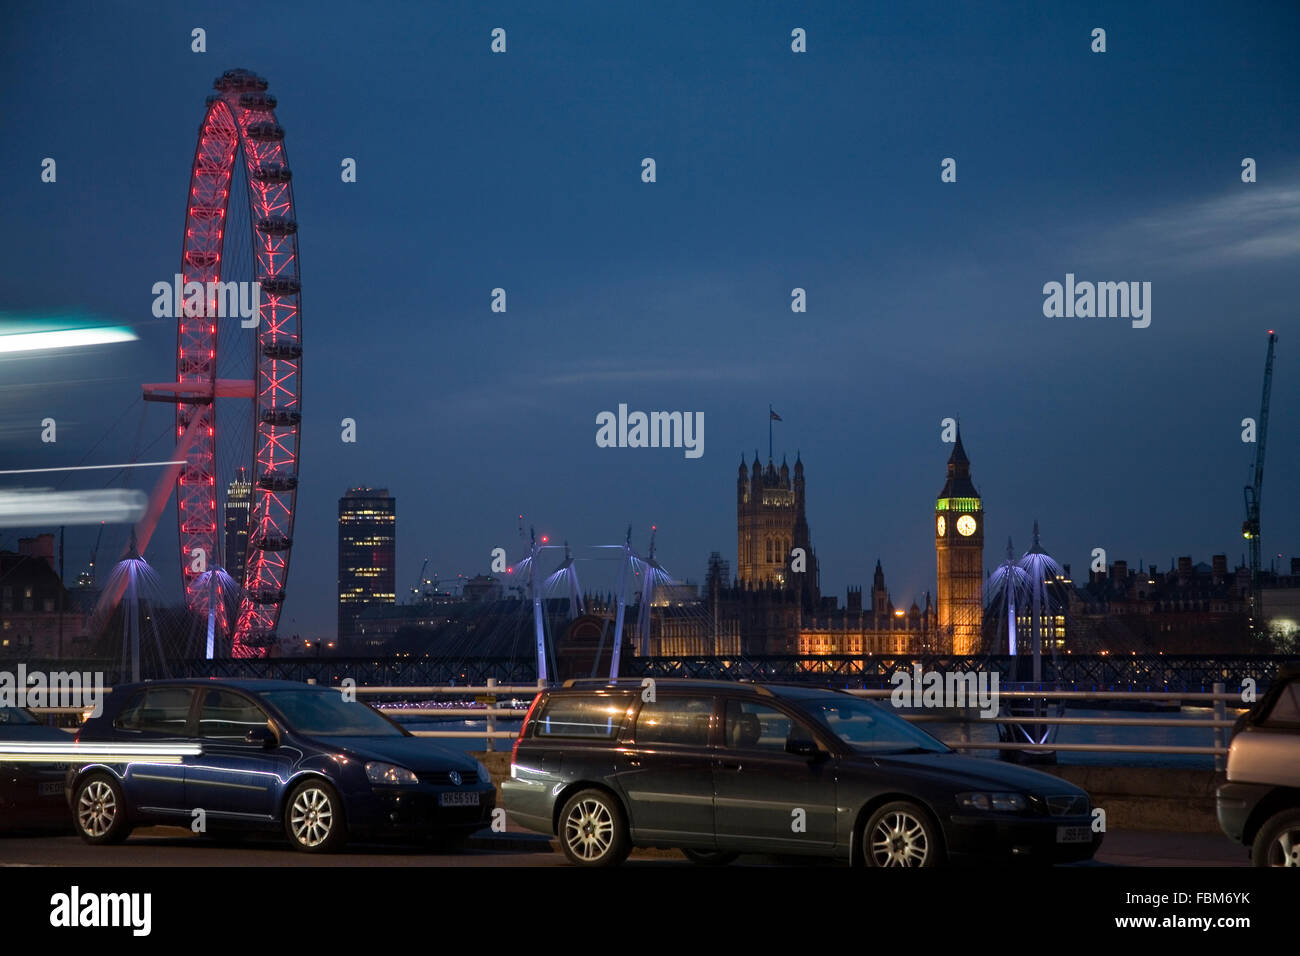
[{"x": 771, "y": 417}]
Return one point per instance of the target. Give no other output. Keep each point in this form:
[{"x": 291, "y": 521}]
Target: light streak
[{"x": 64, "y": 339}]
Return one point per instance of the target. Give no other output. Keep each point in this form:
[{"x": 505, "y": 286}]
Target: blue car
[
  {"x": 274, "y": 755},
  {"x": 31, "y": 794}
]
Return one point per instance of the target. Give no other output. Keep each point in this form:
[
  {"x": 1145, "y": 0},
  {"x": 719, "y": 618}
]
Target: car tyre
[
  {"x": 592, "y": 830},
  {"x": 99, "y": 810},
  {"x": 901, "y": 834},
  {"x": 1278, "y": 841},
  {"x": 710, "y": 857},
  {"x": 313, "y": 817}
]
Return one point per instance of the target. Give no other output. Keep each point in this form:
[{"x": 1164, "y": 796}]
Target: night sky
[{"x": 775, "y": 170}]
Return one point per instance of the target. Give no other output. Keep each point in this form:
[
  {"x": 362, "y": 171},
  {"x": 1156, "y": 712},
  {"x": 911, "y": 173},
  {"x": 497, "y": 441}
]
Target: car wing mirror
[
  {"x": 802, "y": 747},
  {"x": 261, "y": 736}
]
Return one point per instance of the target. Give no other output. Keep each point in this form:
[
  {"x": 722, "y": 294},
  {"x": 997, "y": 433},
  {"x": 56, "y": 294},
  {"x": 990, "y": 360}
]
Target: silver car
[{"x": 1259, "y": 805}]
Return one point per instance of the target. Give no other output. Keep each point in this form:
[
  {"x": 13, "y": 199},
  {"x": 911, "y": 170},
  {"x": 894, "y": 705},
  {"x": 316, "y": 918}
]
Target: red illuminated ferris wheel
[{"x": 246, "y": 364}]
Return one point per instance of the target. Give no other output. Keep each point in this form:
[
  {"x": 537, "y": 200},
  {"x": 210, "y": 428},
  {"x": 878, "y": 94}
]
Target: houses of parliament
[{"x": 774, "y": 604}]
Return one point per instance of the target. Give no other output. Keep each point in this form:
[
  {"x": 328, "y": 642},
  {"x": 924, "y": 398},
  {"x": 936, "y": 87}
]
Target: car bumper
[
  {"x": 1234, "y": 803},
  {"x": 22, "y": 804},
  {"x": 1031, "y": 839},
  {"x": 417, "y": 813},
  {"x": 530, "y": 803}
]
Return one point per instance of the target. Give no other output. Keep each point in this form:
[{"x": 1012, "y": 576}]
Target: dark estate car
[
  {"x": 1259, "y": 805},
  {"x": 31, "y": 794},
  {"x": 275, "y": 754},
  {"x": 718, "y": 769}
]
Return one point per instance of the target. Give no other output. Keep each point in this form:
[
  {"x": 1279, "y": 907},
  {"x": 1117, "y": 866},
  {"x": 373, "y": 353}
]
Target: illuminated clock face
[
  {"x": 942, "y": 526},
  {"x": 966, "y": 525}
]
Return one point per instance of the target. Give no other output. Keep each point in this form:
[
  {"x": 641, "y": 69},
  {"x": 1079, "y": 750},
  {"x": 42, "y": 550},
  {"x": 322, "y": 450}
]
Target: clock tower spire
[{"x": 959, "y": 547}]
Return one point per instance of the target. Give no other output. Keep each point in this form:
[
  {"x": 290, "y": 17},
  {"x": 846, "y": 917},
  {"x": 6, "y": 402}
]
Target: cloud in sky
[{"x": 1252, "y": 223}]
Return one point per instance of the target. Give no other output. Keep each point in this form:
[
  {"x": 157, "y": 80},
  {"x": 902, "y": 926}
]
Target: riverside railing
[
  {"x": 1217, "y": 725},
  {"x": 487, "y": 695}
]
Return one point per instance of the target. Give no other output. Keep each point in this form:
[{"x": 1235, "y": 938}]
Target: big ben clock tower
[{"x": 959, "y": 544}]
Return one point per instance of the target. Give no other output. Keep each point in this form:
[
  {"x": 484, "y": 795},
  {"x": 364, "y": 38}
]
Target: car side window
[
  {"x": 580, "y": 716},
  {"x": 1286, "y": 709},
  {"x": 751, "y": 725},
  {"x": 228, "y": 716},
  {"x": 675, "y": 720},
  {"x": 161, "y": 710},
  {"x": 128, "y": 717}
]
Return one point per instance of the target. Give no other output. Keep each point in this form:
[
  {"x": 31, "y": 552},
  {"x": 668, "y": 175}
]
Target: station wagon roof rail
[{"x": 636, "y": 682}]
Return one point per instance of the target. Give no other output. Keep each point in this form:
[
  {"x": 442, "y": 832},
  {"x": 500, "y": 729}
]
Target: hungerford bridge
[{"x": 1191, "y": 673}]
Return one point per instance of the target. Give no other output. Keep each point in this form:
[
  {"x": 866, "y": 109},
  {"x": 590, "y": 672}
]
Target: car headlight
[
  {"x": 1002, "y": 802},
  {"x": 484, "y": 774},
  {"x": 389, "y": 774}
]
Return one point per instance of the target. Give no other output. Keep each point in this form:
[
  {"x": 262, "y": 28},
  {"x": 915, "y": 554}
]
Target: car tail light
[{"x": 523, "y": 728}]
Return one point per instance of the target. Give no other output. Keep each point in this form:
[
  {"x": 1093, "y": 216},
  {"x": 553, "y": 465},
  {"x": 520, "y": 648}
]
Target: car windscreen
[
  {"x": 16, "y": 715},
  {"x": 868, "y": 727},
  {"x": 327, "y": 714}
]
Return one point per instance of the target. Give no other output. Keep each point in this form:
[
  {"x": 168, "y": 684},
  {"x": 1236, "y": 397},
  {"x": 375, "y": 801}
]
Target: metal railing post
[
  {"x": 492, "y": 720},
  {"x": 1220, "y": 713}
]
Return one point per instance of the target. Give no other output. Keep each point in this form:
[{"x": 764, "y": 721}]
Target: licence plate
[
  {"x": 461, "y": 799},
  {"x": 50, "y": 789},
  {"x": 1073, "y": 835}
]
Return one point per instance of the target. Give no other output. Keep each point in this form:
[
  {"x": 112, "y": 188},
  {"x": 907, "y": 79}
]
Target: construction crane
[
  {"x": 1250, "y": 527},
  {"x": 418, "y": 591}
]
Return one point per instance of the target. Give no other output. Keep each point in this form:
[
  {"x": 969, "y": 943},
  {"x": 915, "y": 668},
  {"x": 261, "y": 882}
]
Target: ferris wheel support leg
[
  {"x": 162, "y": 490},
  {"x": 144, "y": 528}
]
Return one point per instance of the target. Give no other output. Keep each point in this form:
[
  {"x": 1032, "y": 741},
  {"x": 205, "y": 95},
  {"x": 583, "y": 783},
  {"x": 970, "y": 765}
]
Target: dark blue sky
[{"x": 775, "y": 170}]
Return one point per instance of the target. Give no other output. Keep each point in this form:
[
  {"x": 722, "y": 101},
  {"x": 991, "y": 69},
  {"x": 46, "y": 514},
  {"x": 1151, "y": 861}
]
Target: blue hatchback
[{"x": 274, "y": 755}]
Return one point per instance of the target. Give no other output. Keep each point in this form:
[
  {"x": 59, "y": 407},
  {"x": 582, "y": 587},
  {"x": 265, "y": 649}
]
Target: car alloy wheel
[
  {"x": 314, "y": 820},
  {"x": 1278, "y": 841},
  {"x": 589, "y": 829},
  {"x": 100, "y": 810},
  {"x": 97, "y": 808},
  {"x": 1286, "y": 849},
  {"x": 592, "y": 831},
  {"x": 900, "y": 834}
]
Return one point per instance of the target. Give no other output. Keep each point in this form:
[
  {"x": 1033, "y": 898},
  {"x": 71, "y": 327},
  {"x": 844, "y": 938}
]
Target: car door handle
[
  {"x": 730, "y": 764},
  {"x": 634, "y": 761}
]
